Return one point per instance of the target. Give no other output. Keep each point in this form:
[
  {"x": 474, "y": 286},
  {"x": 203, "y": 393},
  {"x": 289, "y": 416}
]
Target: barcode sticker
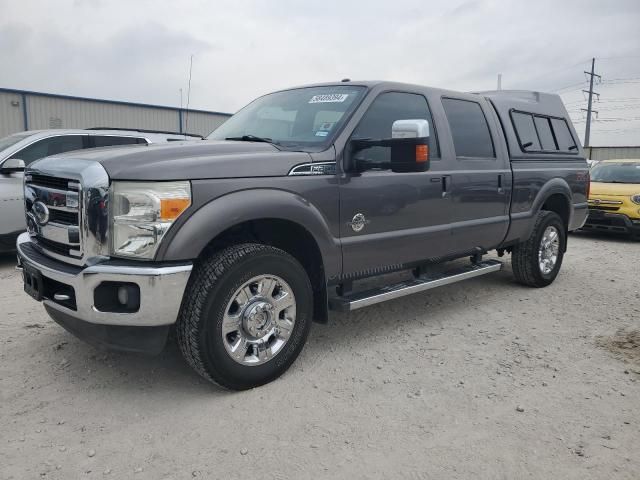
[{"x": 329, "y": 98}]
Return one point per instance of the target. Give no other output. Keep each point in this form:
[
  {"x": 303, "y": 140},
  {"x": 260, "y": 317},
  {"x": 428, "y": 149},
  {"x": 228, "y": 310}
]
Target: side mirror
[
  {"x": 409, "y": 145},
  {"x": 12, "y": 165}
]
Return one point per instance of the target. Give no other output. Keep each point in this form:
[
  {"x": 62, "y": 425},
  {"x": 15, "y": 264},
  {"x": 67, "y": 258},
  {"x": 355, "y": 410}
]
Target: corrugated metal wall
[
  {"x": 608, "y": 153},
  {"x": 201, "y": 123},
  {"x": 11, "y": 118},
  {"x": 46, "y": 111}
]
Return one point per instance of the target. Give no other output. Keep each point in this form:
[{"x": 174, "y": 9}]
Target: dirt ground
[{"x": 482, "y": 379}]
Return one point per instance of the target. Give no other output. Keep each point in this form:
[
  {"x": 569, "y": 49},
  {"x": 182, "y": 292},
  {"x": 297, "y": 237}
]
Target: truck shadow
[
  {"x": 607, "y": 237},
  {"x": 356, "y": 332},
  {"x": 8, "y": 260}
]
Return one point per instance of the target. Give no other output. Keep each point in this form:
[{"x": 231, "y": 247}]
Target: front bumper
[
  {"x": 161, "y": 289},
  {"x": 602, "y": 221}
]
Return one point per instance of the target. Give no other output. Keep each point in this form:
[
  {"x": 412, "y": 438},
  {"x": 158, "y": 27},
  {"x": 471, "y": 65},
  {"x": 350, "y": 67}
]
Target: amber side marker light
[
  {"x": 422, "y": 153},
  {"x": 171, "y": 208}
]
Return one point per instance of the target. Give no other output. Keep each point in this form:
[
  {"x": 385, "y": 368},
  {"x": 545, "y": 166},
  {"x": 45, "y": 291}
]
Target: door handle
[
  {"x": 500, "y": 182},
  {"x": 446, "y": 186}
]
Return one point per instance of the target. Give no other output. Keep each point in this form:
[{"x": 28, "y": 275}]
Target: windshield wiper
[{"x": 253, "y": 138}]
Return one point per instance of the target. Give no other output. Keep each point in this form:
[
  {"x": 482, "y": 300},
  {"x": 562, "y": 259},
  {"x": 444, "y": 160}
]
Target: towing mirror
[
  {"x": 409, "y": 145},
  {"x": 12, "y": 165}
]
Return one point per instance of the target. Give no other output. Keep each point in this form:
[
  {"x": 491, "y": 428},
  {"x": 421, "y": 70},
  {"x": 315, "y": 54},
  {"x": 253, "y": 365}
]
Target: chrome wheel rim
[
  {"x": 548, "y": 251},
  {"x": 259, "y": 320}
]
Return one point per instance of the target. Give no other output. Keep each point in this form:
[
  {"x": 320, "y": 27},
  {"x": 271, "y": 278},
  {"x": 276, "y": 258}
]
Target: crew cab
[{"x": 239, "y": 242}]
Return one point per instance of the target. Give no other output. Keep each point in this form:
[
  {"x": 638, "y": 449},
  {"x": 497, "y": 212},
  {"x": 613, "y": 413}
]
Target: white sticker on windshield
[{"x": 329, "y": 98}]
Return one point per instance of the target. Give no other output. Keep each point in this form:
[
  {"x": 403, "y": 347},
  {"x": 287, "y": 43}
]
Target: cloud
[{"x": 140, "y": 51}]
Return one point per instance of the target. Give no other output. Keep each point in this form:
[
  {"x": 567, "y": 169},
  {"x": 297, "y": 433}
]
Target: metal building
[
  {"x": 23, "y": 110},
  {"x": 609, "y": 153}
]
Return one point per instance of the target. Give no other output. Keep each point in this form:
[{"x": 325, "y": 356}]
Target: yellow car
[{"x": 614, "y": 198}]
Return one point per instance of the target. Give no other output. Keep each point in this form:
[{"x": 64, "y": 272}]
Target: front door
[{"x": 389, "y": 219}]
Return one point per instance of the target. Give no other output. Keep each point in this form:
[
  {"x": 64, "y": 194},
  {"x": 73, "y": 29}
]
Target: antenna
[
  {"x": 180, "y": 112},
  {"x": 186, "y": 126}
]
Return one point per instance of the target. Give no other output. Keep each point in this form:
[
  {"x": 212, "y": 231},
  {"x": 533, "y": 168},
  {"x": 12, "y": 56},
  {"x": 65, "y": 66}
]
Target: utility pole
[
  {"x": 591, "y": 93},
  {"x": 499, "y": 81}
]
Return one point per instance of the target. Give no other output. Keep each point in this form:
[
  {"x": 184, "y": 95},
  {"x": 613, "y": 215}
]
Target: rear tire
[
  {"x": 237, "y": 327},
  {"x": 537, "y": 261}
]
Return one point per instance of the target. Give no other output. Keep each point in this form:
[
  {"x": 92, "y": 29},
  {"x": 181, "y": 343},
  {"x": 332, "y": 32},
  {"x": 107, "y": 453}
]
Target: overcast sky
[{"x": 139, "y": 50}]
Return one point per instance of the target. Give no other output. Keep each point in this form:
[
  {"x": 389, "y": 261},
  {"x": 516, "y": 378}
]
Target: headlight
[
  {"x": 142, "y": 212},
  {"x": 636, "y": 198}
]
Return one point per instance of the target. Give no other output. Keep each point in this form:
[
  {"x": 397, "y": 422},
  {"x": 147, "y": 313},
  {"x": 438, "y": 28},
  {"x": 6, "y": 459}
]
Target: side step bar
[{"x": 354, "y": 301}]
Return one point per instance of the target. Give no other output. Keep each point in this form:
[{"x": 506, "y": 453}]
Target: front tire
[
  {"x": 537, "y": 261},
  {"x": 245, "y": 316}
]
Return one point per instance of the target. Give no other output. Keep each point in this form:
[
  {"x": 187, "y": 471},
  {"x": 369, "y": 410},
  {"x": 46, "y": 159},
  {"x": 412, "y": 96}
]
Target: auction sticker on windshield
[{"x": 329, "y": 98}]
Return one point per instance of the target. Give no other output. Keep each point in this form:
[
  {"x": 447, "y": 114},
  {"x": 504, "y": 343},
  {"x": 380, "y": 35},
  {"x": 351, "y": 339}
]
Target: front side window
[
  {"x": 49, "y": 146},
  {"x": 377, "y": 122},
  {"x": 469, "y": 128},
  {"x": 301, "y": 119}
]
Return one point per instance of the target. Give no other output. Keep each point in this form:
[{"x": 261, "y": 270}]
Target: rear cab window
[{"x": 469, "y": 128}]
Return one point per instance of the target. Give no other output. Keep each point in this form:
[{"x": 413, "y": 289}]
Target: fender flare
[
  {"x": 232, "y": 209},
  {"x": 552, "y": 187}
]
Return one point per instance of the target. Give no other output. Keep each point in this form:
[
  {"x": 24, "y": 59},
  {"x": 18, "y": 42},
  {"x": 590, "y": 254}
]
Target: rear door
[{"x": 481, "y": 178}]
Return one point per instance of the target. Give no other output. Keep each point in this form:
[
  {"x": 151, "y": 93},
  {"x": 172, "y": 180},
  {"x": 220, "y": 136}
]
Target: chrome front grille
[
  {"x": 66, "y": 205},
  {"x": 54, "y": 223}
]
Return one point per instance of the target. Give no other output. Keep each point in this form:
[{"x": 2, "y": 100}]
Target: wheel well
[
  {"x": 559, "y": 204},
  {"x": 290, "y": 237}
]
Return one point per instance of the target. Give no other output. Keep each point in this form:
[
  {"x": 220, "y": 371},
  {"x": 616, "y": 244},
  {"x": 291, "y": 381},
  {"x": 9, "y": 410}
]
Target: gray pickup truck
[{"x": 240, "y": 241}]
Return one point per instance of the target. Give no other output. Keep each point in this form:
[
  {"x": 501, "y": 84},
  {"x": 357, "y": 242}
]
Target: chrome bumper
[{"x": 161, "y": 288}]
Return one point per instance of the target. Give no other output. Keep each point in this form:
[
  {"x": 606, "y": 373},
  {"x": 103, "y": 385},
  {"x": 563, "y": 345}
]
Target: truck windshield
[
  {"x": 301, "y": 119},
  {"x": 623, "y": 172}
]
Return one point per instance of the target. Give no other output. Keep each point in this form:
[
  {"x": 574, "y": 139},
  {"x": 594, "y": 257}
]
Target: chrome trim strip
[
  {"x": 58, "y": 232},
  {"x": 597, "y": 201},
  {"x": 63, "y": 208}
]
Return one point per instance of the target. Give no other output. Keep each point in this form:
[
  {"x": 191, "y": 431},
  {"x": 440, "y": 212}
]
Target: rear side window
[
  {"x": 539, "y": 133},
  {"x": 110, "y": 140},
  {"x": 563, "y": 135},
  {"x": 544, "y": 132},
  {"x": 526, "y": 131},
  {"x": 49, "y": 146},
  {"x": 469, "y": 128}
]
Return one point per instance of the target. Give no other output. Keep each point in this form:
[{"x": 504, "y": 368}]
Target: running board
[{"x": 354, "y": 301}]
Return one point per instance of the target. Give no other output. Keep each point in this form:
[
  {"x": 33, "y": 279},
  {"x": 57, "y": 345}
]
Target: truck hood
[
  {"x": 614, "y": 189},
  {"x": 185, "y": 160}
]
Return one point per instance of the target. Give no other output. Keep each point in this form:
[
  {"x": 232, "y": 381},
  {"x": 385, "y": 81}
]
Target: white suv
[{"x": 20, "y": 149}]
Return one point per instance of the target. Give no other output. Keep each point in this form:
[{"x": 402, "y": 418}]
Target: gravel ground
[{"x": 483, "y": 379}]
